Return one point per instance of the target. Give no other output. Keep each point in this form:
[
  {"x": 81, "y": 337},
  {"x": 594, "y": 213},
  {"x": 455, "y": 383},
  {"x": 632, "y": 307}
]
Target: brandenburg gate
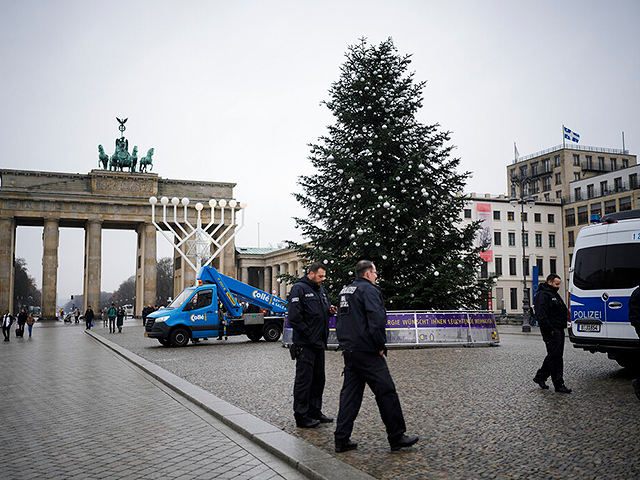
[{"x": 101, "y": 199}]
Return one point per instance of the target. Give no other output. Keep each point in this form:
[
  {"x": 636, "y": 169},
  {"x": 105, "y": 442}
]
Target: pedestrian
[
  {"x": 361, "y": 329},
  {"x": 112, "y": 313},
  {"x": 22, "y": 319},
  {"x": 7, "y": 320},
  {"x": 88, "y": 317},
  {"x": 634, "y": 318},
  {"x": 31, "y": 320},
  {"x": 76, "y": 314},
  {"x": 552, "y": 315},
  {"x": 120, "y": 319},
  {"x": 61, "y": 315},
  {"x": 309, "y": 313},
  {"x": 104, "y": 317},
  {"x": 145, "y": 312}
]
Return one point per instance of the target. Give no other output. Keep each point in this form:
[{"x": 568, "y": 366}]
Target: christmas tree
[{"x": 387, "y": 190}]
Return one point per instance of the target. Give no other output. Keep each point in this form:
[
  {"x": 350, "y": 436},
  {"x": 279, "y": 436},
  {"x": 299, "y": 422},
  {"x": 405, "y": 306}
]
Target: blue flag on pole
[{"x": 569, "y": 135}]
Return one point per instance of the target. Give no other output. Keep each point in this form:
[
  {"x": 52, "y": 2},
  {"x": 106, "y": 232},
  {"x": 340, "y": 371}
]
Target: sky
[{"x": 231, "y": 91}]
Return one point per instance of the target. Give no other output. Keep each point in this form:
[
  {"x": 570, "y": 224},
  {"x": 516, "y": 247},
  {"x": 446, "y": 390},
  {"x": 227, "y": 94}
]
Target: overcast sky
[{"x": 231, "y": 90}]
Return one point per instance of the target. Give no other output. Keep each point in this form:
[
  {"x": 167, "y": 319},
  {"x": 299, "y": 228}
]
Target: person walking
[
  {"x": 31, "y": 320},
  {"x": 22, "y": 319},
  {"x": 120, "y": 319},
  {"x": 634, "y": 318},
  {"x": 552, "y": 315},
  {"x": 76, "y": 314},
  {"x": 7, "y": 320},
  {"x": 112, "y": 313},
  {"x": 309, "y": 313},
  {"x": 88, "y": 317},
  {"x": 104, "y": 317},
  {"x": 361, "y": 328}
]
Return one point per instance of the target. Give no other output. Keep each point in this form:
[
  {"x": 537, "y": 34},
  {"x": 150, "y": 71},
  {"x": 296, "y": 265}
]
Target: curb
[{"x": 305, "y": 458}]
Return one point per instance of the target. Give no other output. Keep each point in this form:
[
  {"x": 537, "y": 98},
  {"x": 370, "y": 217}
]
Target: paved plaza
[{"x": 79, "y": 410}]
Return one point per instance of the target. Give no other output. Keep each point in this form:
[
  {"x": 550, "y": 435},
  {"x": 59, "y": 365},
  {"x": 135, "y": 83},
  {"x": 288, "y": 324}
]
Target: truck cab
[{"x": 212, "y": 309}]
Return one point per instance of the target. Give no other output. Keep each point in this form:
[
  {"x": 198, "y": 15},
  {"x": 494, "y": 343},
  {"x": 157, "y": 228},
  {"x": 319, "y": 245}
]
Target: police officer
[
  {"x": 552, "y": 314},
  {"x": 634, "y": 318},
  {"x": 309, "y": 312},
  {"x": 361, "y": 329}
]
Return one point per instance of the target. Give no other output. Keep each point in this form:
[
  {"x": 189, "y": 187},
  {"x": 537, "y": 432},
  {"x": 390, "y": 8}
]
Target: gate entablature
[{"x": 94, "y": 201}]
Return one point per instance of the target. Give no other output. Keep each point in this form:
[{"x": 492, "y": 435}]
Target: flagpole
[{"x": 563, "y": 144}]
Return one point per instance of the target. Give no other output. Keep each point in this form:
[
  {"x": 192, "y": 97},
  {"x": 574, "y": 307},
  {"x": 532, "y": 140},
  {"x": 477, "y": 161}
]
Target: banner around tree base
[{"x": 426, "y": 329}]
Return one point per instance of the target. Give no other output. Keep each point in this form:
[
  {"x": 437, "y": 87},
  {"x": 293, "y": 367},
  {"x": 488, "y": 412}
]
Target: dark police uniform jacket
[
  {"x": 362, "y": 319},
  {"x": 634, "y": 309},
  {"x": 309, "y": 313},
  {"x": 551, "y": 311}
]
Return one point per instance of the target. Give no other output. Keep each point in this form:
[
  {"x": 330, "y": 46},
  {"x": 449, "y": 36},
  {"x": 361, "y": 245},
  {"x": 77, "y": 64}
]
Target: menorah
[{"x": 203, "y": 243}]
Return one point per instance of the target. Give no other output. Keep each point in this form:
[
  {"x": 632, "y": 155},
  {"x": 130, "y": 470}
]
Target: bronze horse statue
[
  {"x": 103, "y": 158},
  {"x": 144, "y": 161}
]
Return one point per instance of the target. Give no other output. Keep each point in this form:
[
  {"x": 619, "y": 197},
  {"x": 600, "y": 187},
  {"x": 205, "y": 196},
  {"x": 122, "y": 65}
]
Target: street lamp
[{"x": 524, "y": 198}]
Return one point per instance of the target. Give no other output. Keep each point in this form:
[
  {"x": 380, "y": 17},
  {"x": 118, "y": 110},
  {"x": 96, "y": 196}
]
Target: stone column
[
  {"x": 283, "y": 284},
  {"x": 149, "y": 264},
  {"x": 92, "y": 265},
  {"x": 244, "y": 274},
  {"x": 7, "y": 256},
  {"x": 267, "y": 279},
  {"x": 50, "y": 238}
]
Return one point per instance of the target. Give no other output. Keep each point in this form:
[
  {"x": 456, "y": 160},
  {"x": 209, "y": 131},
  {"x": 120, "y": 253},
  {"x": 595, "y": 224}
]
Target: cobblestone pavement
[
  {"x": 73, "y": 409},
  {"x": 477, "y": 410}
]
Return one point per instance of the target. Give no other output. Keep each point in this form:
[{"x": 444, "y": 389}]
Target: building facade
[{"x": 502, "y": 232}]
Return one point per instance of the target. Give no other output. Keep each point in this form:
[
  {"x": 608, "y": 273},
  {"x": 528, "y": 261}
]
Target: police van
[{"x": 605, "y": 269}]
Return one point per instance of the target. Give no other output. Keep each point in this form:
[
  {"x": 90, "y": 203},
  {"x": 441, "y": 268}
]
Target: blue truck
[{"x": 213, "y": 309}]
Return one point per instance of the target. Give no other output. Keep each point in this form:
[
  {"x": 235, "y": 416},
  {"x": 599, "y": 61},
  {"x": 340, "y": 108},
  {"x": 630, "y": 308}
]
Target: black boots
[
  {"x": 403, "y": 441},
  {"x": 543, "y": 385},
  {"x": 346, "y": 446},
  {"x": 302, "y": 421}
]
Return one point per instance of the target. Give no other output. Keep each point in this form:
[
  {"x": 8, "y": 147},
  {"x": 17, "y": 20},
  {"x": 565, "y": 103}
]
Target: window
[
  {"x": 603, "y": 188},
  {"x": 537, "y": 217},
  {"x": 607, "y": 267},
  {"x": 547, "y": 197},
  {"x": 617, "y": 184},
  {"x": 583, "y": 215},
  {"x": 512, "y": 266},
  {"x": 614, "y": 164},
  {"x": 558, "y": 178},
  {"x": 510, "y": 216},
  {"x": 523, "y": 171},
  {"x": 552, "y": 240},
  {"x": 601, "y": 164},
  {"x": 497, "y": 238},
  {"x": 525, "y": 265},
  {"x": 609, "y": 206},
  {"x": 523, "y": 216},
  {"x": 498, "y": 265},
  {"x": 577, "y": 194},
  {"x": 525, "y": 239},
  {"x": 633, "y": 181},
  {"x": 550, "y": 218},
  {"x": 539, "y": 265},
  {"x": 590, "y": 191},
  {"x": 534, "y": 169},
  {"x": 589, "y": 162},
  {"x": 625, "y": 203},
  {"x": 570, "y": 236},
  {"x": 467, "y": 213},
  {"x": 552, "y": 265},
  {"x": 596, "y": 209},
  {"x": 538, "y": 239},
  {"x": 625, "y": 163},
  {"x": 512, "y": 239},
  {"x": 513, "y": 294},
  {"x": 576, "y": 160},
  {"x": 546, "y": 165},
  {"x": 569, "y": 217},
  {"x": 556, "y": 160},
  {"x": 484, "y": 270},
  {"x": 576, "y": 176},
  {"x": 559, "y": 195},
  {"x": 546, "y": 184},
  {"x": 201, "y": 299},
  {"x": 536, "y": 186},
  {"x": 496, "y": 214}
]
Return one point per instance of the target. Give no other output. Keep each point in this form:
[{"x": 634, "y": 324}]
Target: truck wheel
[
  {"x": 179, "y": 337},
  {"x": 254, "y": 335},
  {"x": 271, "y": 332},
  {"x": 164, "y": 342}
]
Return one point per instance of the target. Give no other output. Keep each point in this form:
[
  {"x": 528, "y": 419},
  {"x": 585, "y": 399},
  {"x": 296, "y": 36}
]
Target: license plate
[{"x": 588, "y": 327}]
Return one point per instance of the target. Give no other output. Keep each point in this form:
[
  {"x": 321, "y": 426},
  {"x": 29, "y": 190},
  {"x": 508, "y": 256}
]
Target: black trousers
[
  {"x": 552, "y": 365},
  {"x": 309, "y": 383},
  {"x": 6, "y": 331},
  {"x": 88, "y": 323},
  {"x": 362, "y": 368}
]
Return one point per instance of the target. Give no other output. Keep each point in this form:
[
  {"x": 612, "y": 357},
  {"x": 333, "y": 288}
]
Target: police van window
[{"x": 607, "y": 267}]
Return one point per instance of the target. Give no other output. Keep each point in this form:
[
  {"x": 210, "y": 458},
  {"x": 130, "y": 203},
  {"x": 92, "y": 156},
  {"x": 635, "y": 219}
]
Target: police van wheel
[
  {"x": 629, "y": 361},
  {"x": 271, "y": 332},
  {"x": 179, "y": 337}
]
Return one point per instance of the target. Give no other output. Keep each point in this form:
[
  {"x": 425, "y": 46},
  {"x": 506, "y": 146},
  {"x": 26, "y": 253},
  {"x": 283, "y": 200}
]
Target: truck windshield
[{"x": 180, "y": 299}]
